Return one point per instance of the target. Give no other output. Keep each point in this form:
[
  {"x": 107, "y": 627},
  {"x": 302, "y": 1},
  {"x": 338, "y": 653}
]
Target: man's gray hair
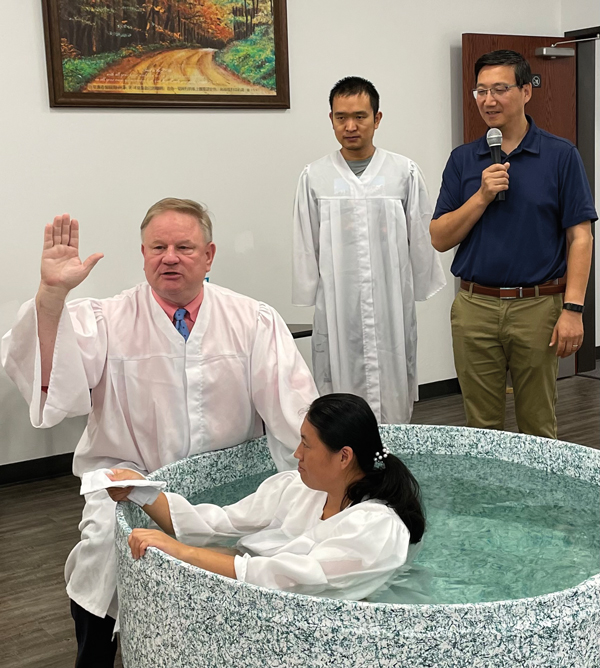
[{"x": 199, "y": 212}]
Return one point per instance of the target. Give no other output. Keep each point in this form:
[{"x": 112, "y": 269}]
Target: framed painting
[{"x": 167, "y": 53}]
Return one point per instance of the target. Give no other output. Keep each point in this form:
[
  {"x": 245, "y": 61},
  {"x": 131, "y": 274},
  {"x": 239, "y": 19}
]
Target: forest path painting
[
  {"x": 181, "y": 71},
  {"x": 167, "y": 52}
]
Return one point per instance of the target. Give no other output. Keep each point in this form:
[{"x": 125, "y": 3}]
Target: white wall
[
  {"x": 107, "y": 166},
  {"x": 580, "y": 14}
]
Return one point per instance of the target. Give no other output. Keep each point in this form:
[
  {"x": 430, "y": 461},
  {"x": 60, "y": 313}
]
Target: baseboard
[
  {"x": 441, "y": 388},
  {"x": 36, "y": 469},
  {"x": 598, "y": 352},
  {"x": 57, "y": 465}
]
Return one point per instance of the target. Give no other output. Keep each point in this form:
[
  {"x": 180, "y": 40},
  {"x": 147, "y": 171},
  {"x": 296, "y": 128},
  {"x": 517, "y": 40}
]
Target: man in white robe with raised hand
[
  {"x": 176, "y": 367},
  {"x": 362, "y": 256}
]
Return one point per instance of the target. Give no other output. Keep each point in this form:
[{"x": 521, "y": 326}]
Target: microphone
[{"x": 494, "y": 140}]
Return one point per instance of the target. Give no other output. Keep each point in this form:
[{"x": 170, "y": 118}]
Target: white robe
[
  {"x": 155, "y": 398},
  {"x": 362, "y": 256},
  {"x": 287, "y": 546}
]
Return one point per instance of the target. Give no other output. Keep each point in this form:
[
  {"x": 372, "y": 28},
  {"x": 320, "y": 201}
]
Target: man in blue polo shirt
[{"x": 516, "y": 257}]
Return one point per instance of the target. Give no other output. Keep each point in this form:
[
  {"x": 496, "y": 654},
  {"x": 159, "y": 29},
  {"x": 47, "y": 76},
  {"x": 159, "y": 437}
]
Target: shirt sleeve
[
  {"x": 449, "y": 198},
  {"x": 428, "y": 274},
  {"x": 204, "y": 523},
  {"x": 282, "y": 387},
  {"x": 77, "y": 365},
  {"x": 305, "y": 259},
  {"x": 364, "y": 550},
  {"x": 576, "y": 201}
]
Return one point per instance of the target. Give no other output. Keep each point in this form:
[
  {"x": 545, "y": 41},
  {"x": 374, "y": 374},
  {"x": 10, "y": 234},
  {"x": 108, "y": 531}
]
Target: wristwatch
[{"x": 578, "y": 308}]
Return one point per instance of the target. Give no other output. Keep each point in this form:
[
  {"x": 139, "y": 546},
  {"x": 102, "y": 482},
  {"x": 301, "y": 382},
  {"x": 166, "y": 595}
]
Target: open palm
[{"x": 61, "y": 265}]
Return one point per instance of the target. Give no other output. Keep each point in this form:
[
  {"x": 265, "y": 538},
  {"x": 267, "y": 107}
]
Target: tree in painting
[{"x": 168, "y": 46}]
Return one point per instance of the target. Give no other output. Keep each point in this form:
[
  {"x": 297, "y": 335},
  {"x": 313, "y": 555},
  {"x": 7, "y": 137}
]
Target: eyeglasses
[{"x": 496, "y": 91}]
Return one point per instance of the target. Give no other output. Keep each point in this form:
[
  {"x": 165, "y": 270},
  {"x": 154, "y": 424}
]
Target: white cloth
[
  {"x": 362, "y": 256},
  {"x": 144, "y": 491},
  {"x": 287, "y": 546},
  {"x": 155, "y": 398}
]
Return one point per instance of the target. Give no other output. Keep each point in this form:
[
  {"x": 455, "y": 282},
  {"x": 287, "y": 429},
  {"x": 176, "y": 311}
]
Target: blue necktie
[{"x": 180, "y": 325}]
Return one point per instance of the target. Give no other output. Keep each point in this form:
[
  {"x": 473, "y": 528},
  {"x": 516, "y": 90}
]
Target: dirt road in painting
[{"x": 183, "y": 71}]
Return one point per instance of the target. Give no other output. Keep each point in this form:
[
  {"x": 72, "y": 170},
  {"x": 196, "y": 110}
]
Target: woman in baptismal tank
[{"x": 340, "y": 526}]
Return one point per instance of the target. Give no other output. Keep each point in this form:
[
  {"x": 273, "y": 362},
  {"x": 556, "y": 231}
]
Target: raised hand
[{"x": 62, "y": 270}]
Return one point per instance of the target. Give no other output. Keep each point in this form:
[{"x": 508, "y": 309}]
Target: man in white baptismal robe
[
  {"x": 362, "y": 256},
  {"x": 176, "y": 366}
]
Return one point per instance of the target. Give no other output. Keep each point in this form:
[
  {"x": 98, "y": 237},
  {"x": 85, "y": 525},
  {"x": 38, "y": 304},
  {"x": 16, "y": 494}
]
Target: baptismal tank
[{"x": 494, "y": 532}]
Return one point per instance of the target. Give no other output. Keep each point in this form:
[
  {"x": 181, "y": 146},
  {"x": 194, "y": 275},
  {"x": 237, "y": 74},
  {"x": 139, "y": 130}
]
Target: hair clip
[{"x": 380, "y": 456}]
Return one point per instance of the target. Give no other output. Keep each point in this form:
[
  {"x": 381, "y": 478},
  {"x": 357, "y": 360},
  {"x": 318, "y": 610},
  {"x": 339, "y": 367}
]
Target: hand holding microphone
[{"x": 494, "y": 179}]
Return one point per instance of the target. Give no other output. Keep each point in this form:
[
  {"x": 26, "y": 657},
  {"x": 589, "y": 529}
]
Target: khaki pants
[{"x": 491, "y": 335}]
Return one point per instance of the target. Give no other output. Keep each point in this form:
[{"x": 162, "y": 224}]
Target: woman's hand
[
  {"x": 121, "y": 493},
  {"x": 141, "y": 539},
  {"x": 210, "y": 560}
]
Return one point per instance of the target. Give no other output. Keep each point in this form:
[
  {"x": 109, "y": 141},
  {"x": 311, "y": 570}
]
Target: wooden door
[{"x": 553, "y": 105}]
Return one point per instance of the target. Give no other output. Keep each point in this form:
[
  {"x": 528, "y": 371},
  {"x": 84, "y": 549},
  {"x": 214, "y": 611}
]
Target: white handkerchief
[{"x": 146, "y": 491}]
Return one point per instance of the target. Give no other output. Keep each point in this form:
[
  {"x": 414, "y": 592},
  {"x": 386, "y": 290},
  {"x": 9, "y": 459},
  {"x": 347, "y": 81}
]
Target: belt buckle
[{"x": 518, "y": 296}]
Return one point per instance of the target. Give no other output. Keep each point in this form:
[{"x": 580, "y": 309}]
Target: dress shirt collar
[
  {"x": 530, "y": 142},
  {"x": 192, "y": 308}
]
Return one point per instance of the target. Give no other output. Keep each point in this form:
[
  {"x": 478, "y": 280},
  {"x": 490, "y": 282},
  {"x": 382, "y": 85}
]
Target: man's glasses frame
[{"x": 496, "y": 91}]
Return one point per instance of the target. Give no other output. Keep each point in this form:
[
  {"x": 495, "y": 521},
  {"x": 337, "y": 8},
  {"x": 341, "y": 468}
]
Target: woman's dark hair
[
  {"x": 347, "y": 420},
  {"x": 506, "y": 57}
]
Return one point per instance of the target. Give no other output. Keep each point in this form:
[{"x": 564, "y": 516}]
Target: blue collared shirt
[{"x": 521, "y": 241}]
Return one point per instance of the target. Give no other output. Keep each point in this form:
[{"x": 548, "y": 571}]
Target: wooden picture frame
[{"x": 229, "y": 54}]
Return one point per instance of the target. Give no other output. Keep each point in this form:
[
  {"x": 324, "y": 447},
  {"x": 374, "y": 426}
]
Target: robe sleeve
[
  {"x": 305, "y": 259},
  {"x": 428, "y": 274},
  {"x": 358, "y": 557},
  {"x": 77, "y": 365},
  {"x": 204, "y": 523},
  {"x": 282, "y": 386}
]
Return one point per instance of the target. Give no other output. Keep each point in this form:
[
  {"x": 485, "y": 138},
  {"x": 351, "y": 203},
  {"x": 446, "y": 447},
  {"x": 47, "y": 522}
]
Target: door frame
[{"x": 586, "y": 145}]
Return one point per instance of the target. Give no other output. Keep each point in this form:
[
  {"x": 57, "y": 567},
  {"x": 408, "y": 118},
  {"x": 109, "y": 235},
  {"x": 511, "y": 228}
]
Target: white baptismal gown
[
  {"x": 156, "y": 399},
  {"x": 287, "y": 546},
  {"x": 362, "y": 257}
]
